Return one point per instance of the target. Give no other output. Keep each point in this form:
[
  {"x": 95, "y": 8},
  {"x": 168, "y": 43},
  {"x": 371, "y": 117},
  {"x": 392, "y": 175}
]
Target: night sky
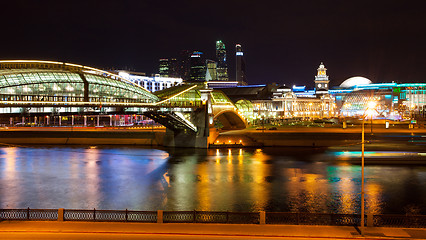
[{"x": 283, "y": 41}]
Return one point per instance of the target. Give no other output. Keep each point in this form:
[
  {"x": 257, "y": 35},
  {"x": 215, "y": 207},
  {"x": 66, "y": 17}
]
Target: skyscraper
[
  {"x": 198, "y": 67},
  {"x": 168, "y": 67},
  {"x": 184, "y": 65},
  {"x": 211, "y": 73},
  {"x": 222, "y": 68},
  {"x": 240, "y": 75}
]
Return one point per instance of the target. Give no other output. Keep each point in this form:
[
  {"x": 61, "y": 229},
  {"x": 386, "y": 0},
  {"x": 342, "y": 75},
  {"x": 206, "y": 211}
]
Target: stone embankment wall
[{"x": 82, "y": 137}]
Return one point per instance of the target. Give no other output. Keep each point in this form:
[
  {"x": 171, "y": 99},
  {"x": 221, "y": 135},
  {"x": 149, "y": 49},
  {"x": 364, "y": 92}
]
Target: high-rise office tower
[
  {"x": 168, "y": 67},
  {"x": 211, "y": 73},
  {"x": 197, "y": 70},
  {"x": 240, "y": 75},
  {"x": 184, "y": 65},
  {"x": 163, "y": 68},
  {"x": 222, "y": 68}
]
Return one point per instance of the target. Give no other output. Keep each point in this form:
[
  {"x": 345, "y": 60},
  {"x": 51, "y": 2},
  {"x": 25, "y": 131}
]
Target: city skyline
[{"x": 283, "y": 42}]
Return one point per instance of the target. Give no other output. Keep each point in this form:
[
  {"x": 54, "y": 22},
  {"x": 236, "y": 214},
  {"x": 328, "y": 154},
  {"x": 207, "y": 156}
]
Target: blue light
[
  {"x": 395, "y": 99},
  {"x": 299, "y": 88},
  {"x": 412, "y": 85},
  {"x": 239, "y": 53},
  {"x": 252, "y": 86}
]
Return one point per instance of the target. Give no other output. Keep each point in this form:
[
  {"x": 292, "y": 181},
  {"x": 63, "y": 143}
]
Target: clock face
[{"x": 319, "y": 85}]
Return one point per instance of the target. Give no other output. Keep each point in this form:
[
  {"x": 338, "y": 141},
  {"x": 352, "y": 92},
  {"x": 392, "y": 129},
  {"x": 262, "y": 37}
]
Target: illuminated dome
[{"x": 353, "y": 81}]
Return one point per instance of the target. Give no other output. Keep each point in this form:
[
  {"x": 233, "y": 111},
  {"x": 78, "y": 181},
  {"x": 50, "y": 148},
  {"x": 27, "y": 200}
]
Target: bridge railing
[{"x": 288, "y": 218}]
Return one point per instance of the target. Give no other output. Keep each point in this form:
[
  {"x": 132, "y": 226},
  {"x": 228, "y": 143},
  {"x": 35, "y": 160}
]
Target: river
[{"x": 270, "y": 179}]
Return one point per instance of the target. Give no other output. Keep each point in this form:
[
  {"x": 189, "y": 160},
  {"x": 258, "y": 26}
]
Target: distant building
[
  {"x": 184, "y": 64},
  {"x": 240, "y": 75},
  {"x": 393, "y": 100},
  {"x": 321, "y": 80},
  {"x": 197, "y": 71},
  {"x": 152, "y": 84},
  {"x": 281, "y": 102},
  {"x": 222, "y": 84},
  {"x": 222, "y": 67},
  {"x": 211, "y": 73},
  {"x": 168, "y": 67}
]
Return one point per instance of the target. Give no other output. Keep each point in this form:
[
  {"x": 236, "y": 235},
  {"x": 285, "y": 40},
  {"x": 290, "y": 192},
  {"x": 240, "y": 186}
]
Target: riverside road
[{"x": 90, "y": 230}]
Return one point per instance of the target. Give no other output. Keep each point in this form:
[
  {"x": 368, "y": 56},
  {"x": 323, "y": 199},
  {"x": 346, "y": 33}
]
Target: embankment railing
[{"x": 160, "y": 216}]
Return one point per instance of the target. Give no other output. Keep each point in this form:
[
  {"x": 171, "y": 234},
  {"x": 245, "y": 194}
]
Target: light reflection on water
[{"x": 217, "y": 180}]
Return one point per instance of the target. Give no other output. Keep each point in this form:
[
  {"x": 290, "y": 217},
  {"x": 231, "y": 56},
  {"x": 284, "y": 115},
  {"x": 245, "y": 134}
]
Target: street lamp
[
  {"x": 371, "y": 106},
  {"x": 369, "y": 111}
]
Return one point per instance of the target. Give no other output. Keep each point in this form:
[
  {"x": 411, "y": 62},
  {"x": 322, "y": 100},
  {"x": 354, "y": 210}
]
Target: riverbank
[
  {"x": 281, "y": 137},
  {"x": 322, "y": 137},
  {"x": 82, "y": 136}
]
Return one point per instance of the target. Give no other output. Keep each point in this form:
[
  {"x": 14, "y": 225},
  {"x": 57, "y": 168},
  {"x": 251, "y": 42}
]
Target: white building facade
[{"x": 152, "y": 84}]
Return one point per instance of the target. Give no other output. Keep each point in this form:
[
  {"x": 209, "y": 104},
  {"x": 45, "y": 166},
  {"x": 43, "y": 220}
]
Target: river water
[{"x": 271, "y": 179}]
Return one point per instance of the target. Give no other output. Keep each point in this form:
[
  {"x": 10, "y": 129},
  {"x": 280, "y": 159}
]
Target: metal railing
[
  {"x": 394, "y": 220},
  {"x": 210, "y": 217},
  {"x": 312, "y": 219},
  {"x": 29, "y": 214},
  {"x": 289, "y": 218},
  {"x": 109, "y": 215}
]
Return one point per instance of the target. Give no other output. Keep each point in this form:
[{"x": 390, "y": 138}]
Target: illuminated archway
[
  {"x": 230, "y": 120},
  {"x": 246, "y": 108}
]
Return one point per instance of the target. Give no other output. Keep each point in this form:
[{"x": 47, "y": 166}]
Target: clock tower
[{"x": 321, "y": 79}]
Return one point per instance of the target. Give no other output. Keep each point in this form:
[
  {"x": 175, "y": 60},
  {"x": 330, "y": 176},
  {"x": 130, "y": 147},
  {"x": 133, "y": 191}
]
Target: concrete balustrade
[{"x": 160, "y": 216}]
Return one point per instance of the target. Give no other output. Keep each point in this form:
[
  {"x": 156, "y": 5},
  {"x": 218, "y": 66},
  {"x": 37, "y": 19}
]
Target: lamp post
[
  {"x": 370, "y": 107},
  {"x": 362, "y": 179}
]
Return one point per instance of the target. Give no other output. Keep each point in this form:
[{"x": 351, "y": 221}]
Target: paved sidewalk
[{"x": 236, "y": 230}]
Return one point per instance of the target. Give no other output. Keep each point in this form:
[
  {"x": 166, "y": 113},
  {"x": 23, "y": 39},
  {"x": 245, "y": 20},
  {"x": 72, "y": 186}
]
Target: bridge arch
[{"x": 230, "y": 119}]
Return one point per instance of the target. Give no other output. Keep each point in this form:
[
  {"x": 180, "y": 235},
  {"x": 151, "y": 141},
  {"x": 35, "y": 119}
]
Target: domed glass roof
[
  {"x": 354, "y": 81},
  {"x": 56, "y": 81}
]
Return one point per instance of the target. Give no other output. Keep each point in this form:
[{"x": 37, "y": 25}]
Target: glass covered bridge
[
  {"x": 57, "y": 84},
  {"x": 57, "y": 93}
]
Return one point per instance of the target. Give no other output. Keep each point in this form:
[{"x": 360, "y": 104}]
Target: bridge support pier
[{"x": 187, "y": 138}]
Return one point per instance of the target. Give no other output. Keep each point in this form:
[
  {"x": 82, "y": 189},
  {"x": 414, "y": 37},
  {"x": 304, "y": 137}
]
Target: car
[
  {"x": 260, "y": 128},
  {"x": 272, "y": 128}
]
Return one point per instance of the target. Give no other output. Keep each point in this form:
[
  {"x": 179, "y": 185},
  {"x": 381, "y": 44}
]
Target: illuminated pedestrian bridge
[
  {"x": 65, "y": 84},
  {"x": 57, "y": 93}
]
